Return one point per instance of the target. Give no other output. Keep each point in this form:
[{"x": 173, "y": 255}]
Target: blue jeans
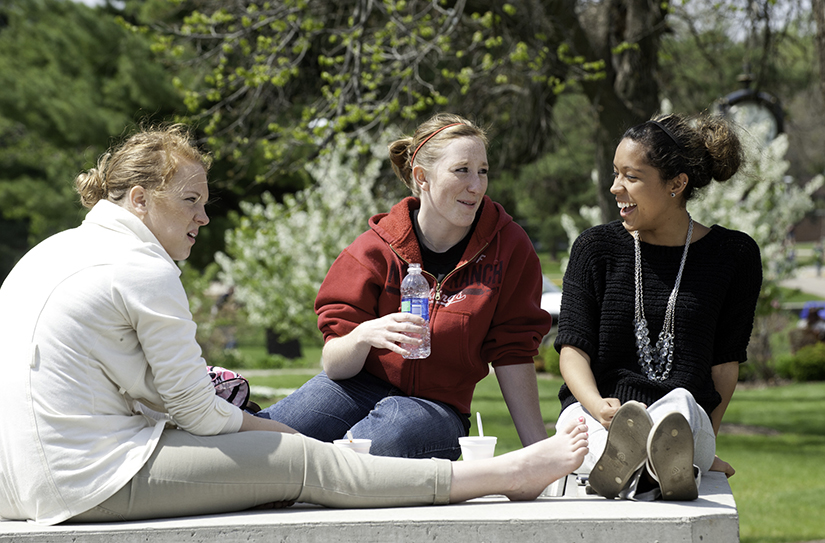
[{"x": 371, "y": 408}]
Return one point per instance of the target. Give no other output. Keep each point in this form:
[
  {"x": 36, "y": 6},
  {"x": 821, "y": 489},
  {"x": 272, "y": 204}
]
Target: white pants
[{"x": 704, "y": 440}]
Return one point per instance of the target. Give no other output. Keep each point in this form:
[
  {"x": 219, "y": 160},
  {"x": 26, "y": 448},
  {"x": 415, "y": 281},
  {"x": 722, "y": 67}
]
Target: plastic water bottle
[{"x": 415, "y": 299}]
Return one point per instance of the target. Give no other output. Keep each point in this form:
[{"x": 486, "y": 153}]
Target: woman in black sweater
[{"x": 656, "y": 315}]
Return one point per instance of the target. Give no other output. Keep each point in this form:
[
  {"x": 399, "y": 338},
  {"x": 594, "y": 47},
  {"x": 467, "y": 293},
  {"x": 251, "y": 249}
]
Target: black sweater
[{"x": 713, "y": 317}]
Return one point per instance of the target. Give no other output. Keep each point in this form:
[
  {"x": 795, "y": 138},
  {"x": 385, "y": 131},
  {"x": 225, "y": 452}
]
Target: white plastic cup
[
  {"x": 477, "y": 448},
  {"x": 358, "y": 445}
]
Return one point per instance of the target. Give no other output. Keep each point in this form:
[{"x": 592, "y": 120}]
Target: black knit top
[{"x": 713, "y": 317}]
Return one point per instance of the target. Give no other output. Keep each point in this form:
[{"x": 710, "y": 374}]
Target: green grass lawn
[
  {"x": 779, "y": 484},
  {"x": 780, "y": 481}
]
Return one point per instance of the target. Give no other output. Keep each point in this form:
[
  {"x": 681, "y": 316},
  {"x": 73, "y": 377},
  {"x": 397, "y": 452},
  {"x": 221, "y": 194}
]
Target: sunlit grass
[{"x": 779, "y": 486}]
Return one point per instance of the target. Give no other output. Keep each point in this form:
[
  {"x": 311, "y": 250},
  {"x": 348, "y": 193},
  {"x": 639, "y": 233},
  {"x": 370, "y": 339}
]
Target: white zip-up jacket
[{"x": 91, "y": 320}]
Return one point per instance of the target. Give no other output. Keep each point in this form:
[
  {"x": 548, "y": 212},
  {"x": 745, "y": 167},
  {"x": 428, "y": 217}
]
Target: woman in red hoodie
[{"x": 485, "y": 281}]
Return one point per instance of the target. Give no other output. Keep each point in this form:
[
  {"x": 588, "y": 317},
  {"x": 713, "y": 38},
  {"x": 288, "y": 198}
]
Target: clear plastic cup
[
  {"x": 477, "y": 448},
  {"x": 358, "y": 445}
]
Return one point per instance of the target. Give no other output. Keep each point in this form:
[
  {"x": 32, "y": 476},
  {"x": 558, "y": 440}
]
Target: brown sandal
[
  {"x": 670, "y": 449},
  {"x": 625, "y": 451}
]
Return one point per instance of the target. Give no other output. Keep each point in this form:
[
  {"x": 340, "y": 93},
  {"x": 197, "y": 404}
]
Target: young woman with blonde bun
[{"x": 485, "y": 310}]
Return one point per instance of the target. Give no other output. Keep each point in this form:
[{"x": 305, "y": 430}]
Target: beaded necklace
[{"x": 656, "y": 364}]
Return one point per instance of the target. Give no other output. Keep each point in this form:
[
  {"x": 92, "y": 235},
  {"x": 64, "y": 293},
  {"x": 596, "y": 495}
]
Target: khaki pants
[{"x": 201, "y": 475}]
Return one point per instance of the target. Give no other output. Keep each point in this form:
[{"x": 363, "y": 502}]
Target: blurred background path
[{"x": 806, "y": 280}]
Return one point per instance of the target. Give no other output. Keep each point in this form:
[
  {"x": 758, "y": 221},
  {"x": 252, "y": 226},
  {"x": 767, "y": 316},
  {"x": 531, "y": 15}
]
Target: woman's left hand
[{"x": 721, "y": 465}]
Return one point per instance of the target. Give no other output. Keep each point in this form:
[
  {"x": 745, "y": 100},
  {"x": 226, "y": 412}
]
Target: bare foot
[{"x": 541, "y": 463}]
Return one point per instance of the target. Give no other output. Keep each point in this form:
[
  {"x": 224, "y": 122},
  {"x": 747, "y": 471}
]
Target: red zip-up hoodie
[{"x": 487, "y": 310}]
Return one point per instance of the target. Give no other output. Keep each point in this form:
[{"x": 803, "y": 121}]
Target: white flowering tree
[
  {"x": 762, "y": 202},
  {"x": 278, "y": 253},
  {"x": 590, "y": 216}
]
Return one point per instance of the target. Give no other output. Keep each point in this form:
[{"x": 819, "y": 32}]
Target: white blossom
[
  {"x": 279, "y": 253},
  {"x": 761, "y": 201}
]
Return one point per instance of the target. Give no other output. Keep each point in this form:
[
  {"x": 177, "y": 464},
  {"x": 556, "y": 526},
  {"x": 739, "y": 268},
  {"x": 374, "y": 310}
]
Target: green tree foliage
[
  {"x": 281, "y": 77},
  {"x": 70, "y": 78}
]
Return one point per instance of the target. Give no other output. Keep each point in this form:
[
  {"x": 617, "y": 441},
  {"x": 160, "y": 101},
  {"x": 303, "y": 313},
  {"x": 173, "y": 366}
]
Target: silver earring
[{"x": 673, "y": 195}]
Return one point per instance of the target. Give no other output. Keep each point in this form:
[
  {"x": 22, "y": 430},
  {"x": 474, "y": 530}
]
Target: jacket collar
[
  {"x": 397, "y": 230},
  {"x": 113, "y": 217}
]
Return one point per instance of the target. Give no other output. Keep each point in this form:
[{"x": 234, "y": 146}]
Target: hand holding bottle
[
  {"x": 415, "y": 300},
  {"x": 393, "y": 332}
]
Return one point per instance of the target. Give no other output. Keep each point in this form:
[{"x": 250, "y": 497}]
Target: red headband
[{"x": 428, "y": 139}]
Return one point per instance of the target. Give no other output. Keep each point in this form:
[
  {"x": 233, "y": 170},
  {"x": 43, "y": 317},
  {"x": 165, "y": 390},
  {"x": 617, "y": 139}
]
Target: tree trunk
[{"x": 625, "y": 34}]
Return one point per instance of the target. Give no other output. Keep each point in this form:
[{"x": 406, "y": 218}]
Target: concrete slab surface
[{"x": 574, "y": 516}]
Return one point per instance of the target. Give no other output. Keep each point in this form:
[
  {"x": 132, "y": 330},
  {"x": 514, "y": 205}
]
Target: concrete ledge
[{"x": 573, "y": 516}]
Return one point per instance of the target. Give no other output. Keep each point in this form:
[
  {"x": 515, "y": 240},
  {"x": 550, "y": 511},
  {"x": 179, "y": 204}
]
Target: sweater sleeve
[
  {"x": 580, "y": 307},
  {"x": 519, "y": 322},
  {"x": 151, "y": 296},
  {"x": 737, "y": 314}
]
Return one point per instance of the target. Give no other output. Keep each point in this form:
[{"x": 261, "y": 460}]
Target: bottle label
[{"x": 416, "y": 306}]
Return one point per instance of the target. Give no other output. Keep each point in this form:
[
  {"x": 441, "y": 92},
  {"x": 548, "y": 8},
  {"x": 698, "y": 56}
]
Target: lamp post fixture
[{"x": 750, "y": 109}]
